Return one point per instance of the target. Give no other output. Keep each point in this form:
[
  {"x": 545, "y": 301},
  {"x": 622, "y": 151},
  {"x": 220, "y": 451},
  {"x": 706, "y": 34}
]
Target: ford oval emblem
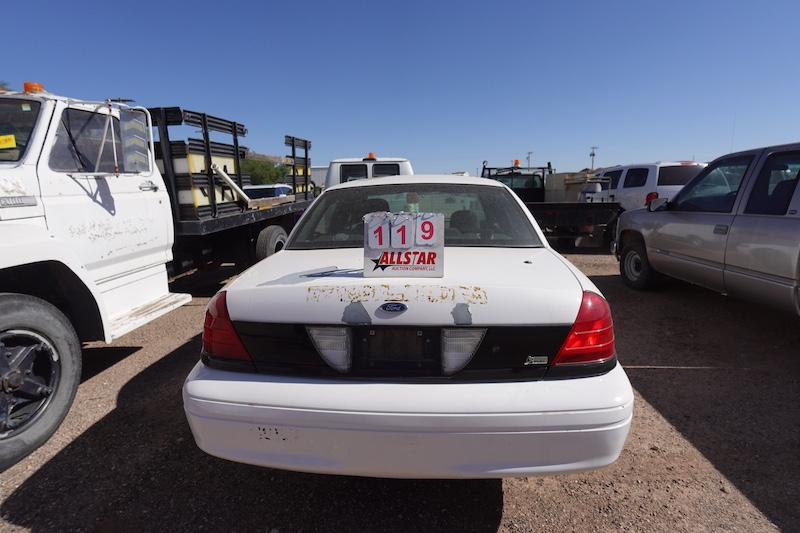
[{"x": 394, "y": 307}]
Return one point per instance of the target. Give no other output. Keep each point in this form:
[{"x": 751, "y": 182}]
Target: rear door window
[
  {"x": 636, "y": 177},
  {"x": 773, "y": 190},
  {"x": 677, "y": 175},
  {"x": 615, "y": 175},
  {"x": 385, "y": 169},
  {"x": 353, "y": 173}
]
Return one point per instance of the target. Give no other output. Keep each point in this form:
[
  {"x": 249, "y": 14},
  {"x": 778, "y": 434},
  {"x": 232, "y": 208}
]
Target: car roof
[
  {"x": 376, "y": 160},
  {"x": 656, "y": 164},
  {"x": 418, "y": 179}
]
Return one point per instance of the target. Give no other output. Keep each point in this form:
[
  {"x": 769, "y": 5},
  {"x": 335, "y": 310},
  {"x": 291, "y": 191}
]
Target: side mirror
[{"x": 658, "y": 204}]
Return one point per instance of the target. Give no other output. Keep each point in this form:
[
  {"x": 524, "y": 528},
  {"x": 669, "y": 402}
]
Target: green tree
[{"x": 263, "y": 172}]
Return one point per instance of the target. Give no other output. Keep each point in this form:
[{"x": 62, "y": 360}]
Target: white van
[
  {"x": 635, "y": 186},
  {"x": 352, "y": 169}
]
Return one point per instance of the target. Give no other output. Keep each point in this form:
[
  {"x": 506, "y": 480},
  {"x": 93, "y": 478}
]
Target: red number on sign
[
  {"x": 427, "y": 230},
  {"x": 402, "y": 232},
  {"x": 379, "y": 235}
]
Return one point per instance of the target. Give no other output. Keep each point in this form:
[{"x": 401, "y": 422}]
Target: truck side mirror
[{"x": 657, "y": 204}]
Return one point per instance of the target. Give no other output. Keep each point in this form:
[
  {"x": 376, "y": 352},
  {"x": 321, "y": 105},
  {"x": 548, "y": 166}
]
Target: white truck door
[
  {"x": 632, "y": 191},
  {"x": 119, "y": 226}
]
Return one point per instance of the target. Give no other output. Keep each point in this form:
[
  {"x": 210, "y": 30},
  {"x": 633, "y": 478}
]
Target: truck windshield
[
  {"x": 475, "y": 215},
  {"x": 17, "y": 119}
]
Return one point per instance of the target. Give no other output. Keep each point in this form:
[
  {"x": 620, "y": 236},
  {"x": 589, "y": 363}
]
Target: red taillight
[
  {"x": 591, "y": 339},
  {"x": 219, "y": 338},
  {"x": 650, "y": 197}
]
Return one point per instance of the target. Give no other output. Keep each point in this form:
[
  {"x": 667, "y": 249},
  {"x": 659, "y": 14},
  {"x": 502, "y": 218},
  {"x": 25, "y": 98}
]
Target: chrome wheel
[{"x": 29, "y": 373}]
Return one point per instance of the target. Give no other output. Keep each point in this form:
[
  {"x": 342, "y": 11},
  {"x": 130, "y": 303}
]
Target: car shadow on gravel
[
  {"x": 726, "y": 374},
  {"x": 138, "y": 469}
]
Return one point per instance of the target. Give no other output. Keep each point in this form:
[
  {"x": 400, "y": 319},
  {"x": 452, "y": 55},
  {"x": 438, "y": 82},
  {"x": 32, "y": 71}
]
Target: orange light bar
[
  {"x": 516, "y": 163},
  {"x": 32, "y": 87},
  {"x": 371, "y": 155}
]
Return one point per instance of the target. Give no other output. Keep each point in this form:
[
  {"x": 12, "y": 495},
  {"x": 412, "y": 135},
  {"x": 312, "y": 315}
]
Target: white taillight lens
[
  {"x": 333, "y": 344},
  {"x": 458, "y": 347}
]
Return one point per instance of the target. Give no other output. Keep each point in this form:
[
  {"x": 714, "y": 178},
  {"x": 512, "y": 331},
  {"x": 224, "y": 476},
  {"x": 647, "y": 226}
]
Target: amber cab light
[
  {"x": 219, "y": 337},
  {"x": 650, "y": 197},
  {"x": 32, "y": 87},
  {"x": 591, "y": 339}
]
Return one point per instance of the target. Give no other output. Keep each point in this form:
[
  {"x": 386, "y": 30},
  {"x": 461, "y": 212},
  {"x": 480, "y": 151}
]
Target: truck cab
[
  {"x": 86, "y": 232},
  {"x": 527, "y": 182},
  {"x": 352, "y": 169}
]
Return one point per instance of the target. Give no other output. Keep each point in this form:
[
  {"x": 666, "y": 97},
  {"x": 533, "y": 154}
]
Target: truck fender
[{"x": 26, "y": 244}]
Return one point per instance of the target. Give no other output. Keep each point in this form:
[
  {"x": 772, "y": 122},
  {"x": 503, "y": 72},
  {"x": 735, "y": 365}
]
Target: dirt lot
[{"x": 714, "y": 445}]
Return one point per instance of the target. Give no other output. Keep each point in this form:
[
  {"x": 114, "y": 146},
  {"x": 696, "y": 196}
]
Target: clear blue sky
[{"x": 447, "y": 84}]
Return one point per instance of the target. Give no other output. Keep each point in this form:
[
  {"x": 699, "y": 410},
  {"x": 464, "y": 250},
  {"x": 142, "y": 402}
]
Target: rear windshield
[
  {"x": 520, "y": 181},
  {"x": 475, "y": 215},
  {"x": 17, "y": 119},
  {"x": 677, "y": 175},
  {"x": 353, "y": 173},
  {"x": 385, "y": 169}
]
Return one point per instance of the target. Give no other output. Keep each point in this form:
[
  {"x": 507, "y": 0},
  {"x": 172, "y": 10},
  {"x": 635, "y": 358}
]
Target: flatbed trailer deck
[{"x": 212, "y": 222}]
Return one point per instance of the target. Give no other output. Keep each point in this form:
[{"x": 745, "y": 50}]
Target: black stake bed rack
[{"x": 202, "y": 203}]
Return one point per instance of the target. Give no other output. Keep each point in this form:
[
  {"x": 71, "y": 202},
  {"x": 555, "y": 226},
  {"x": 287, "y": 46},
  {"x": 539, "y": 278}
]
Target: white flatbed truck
[{"x": 94, "y": 217}]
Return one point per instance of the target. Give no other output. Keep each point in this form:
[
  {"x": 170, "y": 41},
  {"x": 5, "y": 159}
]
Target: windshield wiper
[{"x": 82, "y": 159}]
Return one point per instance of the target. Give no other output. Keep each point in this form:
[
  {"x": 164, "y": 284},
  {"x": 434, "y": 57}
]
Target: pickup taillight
[{"x": 649, "y": 198}]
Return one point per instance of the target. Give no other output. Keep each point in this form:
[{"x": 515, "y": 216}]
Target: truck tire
[
  {"x": 40, "y": 369},
  {"x": 609, "y": 235},
  {"x": 270, "y": 240},
  {"x": 635, "y": 268}
]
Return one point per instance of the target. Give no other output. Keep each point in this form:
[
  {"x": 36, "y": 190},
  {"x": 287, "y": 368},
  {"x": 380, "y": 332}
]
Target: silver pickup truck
[{"x": 735, "y": 228}]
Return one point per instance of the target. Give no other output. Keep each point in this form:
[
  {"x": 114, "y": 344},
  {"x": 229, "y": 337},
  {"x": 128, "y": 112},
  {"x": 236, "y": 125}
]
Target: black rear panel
[{"x": 408, "y": 353}]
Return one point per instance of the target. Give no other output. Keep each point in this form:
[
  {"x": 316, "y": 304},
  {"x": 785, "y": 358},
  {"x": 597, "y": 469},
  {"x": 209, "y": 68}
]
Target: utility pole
[
  {"x": 592, "y": 154},
  {"x": 529, "y": 159}
]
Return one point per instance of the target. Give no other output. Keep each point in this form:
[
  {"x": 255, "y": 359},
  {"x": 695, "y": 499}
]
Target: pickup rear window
[
  {"x": 773, "y": 190},
  {"x": 353, "y": 173},
  {"x": 678, "y": 175},
  {"x": 520, "y": 181},
  {"x": 17, "y": 119},
  {"x": 385, "y": 169}
]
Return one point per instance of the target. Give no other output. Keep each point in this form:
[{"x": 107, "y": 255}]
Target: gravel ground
[{"x": 714, "y": 443}]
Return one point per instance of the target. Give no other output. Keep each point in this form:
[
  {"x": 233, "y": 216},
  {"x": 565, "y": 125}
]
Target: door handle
[
  {"x": 148, "y": 186},
  {"x": 721, "y": 229}
]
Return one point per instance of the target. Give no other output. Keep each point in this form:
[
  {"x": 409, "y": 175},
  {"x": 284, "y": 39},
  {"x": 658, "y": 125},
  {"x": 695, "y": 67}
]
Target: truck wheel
[
  {"x": 270, "y": 240},
  {"x": 609, "y": 235},
  {"x": 635, "y": 269},
  {"x": 40, "y": 368}
]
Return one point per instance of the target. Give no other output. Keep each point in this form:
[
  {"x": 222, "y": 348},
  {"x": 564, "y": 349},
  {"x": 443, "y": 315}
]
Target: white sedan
[{"x": 498, "y": 362}]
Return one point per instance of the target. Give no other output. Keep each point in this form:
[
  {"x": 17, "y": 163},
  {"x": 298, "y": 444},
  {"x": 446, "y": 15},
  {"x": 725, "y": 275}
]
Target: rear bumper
[{"x": 468, "y": 430}]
